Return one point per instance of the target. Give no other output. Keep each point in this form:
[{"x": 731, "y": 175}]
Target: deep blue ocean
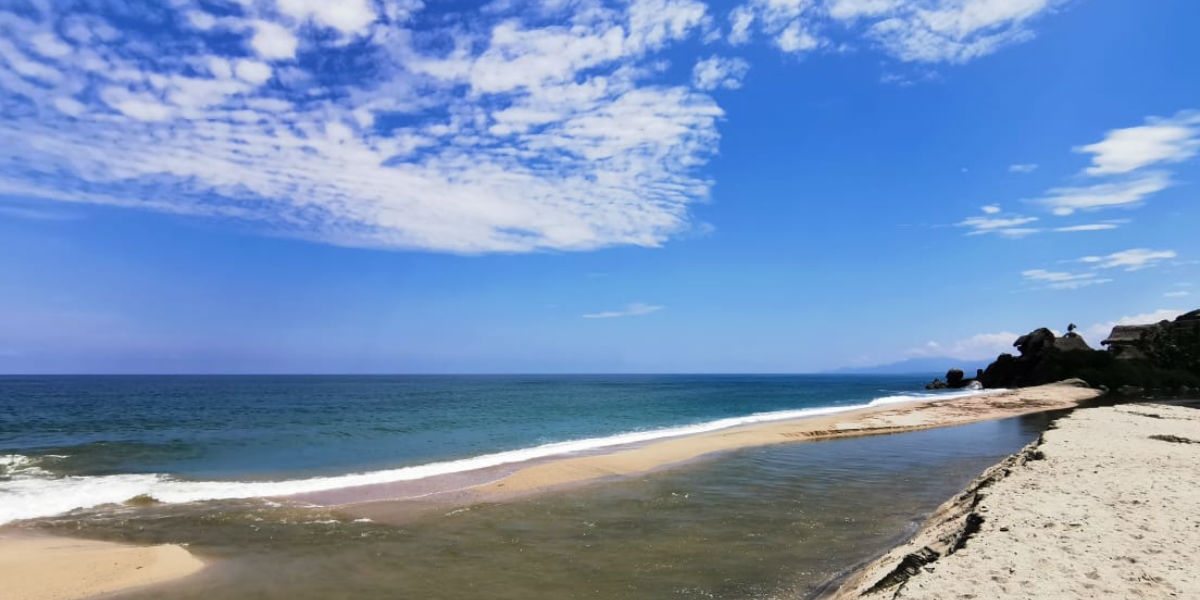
[{"x": 73, "y": 440}]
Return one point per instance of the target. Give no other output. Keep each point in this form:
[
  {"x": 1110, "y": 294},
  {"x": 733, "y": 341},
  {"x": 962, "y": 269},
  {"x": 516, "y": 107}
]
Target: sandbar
[
  {"x": 59, "y": 568},
  {"x": 575, "y": 470}
]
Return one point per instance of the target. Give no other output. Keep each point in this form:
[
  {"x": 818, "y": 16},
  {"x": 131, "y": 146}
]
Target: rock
[
  {"x": 1075, "y": 382},
  {"x": 1071, "y": 341},
  {"x": 954, "y": 378},
  {"x": 936, "y": 384},
  {"x": 1033, "y": 344},
  {"x": 1130, "y": 390}
]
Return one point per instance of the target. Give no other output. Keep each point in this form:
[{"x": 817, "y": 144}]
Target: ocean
[{"x": 763, "y": 522}]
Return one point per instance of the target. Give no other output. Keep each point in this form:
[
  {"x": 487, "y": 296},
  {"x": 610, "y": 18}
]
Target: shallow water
[{"x": 757, "y": 523}]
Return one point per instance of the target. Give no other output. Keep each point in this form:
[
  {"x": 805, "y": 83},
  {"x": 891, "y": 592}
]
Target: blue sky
[{"x": 587, "y": 186}]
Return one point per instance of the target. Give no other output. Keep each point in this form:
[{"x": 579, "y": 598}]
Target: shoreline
[
  {"x": 41, "y": 567},
  {"x": 398, "y": 502},
  {"x": 1096, "y": 506}
]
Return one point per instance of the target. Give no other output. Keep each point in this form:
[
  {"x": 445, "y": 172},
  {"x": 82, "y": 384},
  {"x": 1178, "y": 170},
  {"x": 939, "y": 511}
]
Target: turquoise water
[{"x": 69, "y": 442}]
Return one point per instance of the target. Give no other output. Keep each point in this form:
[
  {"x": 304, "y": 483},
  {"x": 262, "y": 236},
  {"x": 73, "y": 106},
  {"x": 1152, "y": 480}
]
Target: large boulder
[{"x": 1037, "y": 363}]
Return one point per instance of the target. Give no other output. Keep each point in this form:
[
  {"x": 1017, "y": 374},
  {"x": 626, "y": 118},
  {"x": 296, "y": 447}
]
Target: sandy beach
[
  {"x": 1104, "y": 506},
  {"x": 401, "y": 500},
  {"x": 45, "y": 568}
]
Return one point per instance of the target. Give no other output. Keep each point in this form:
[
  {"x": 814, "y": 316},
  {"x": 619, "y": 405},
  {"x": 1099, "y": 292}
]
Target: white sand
[
  {"x": 1110, "y": 512},
  {"x": 46, "y": 568}
]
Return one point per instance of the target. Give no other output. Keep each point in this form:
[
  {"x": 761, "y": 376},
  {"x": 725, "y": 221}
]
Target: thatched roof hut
[{"x": 1125, "y": 341}]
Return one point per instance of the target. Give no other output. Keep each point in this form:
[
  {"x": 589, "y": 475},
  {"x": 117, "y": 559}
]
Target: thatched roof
[{"x": 1126, "y": 334}]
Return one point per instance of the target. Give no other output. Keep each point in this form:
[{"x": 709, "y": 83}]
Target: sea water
[{"x": 76, "y": 442}]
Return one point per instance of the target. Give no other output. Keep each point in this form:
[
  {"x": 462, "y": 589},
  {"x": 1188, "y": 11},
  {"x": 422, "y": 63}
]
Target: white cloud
[
  {"x": 1006, "y": 226},
  {"x": 1061, "y": 280},
  {"x": 272, "y": 41},
  {"x": 138, "y": 106},
  {"x": 1160, "y": 140},
  {"x": 1133, "y": 259},
  {"x": 50, "y": 45},
  {"x": 201, "y": 20},
  {"x": 795, "y": 38},
  {"x": 923, "y": 31},
  {"x": 955, "y": 31},
  {"x": 718, "y": 72},
  {"x": 1177, "y": 294},
  {"x": 854, "y": 9},
  {"x": 740, "y": 20},
  {"x": 506, "y": 137},
  {"x": 1022, "y": 168},
  {"x": 346, "y": 16},
  {"x": 636, "y": 309},
  {"x": 69, "y": 106},
  {"x": 1087, "y": 227},
  {"x": 1099, "y": 331},
  {"x": 1065, "y": 201},
  {"x": 252, "y": 71},
  {"x": 976, "y": 347},
  {"x": 788, "y": 23}
]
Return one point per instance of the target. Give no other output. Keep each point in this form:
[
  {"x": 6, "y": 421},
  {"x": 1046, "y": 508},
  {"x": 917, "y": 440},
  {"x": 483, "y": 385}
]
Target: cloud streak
[
  {"x": 1134, "y": 259},
  {"x": 1128, "y": 193},
  {"x": 636, "y": 309},
  {"x": 1062, "y": 280}
]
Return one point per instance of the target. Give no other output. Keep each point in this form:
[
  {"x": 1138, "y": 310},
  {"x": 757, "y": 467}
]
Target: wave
[{"x": 29, "y": 490}]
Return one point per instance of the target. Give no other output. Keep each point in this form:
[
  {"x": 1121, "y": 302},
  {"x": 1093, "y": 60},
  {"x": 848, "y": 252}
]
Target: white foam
[{"x": 32, "y": 492}]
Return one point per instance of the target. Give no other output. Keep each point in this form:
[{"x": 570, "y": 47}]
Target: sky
[{"x": 398, "y": 186}]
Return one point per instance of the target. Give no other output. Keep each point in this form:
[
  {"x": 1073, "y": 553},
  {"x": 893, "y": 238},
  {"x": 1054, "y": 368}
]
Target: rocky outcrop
[
  {"x": 1167, "y": 344},
  {"x": 1162, "y": 356},
  {"x": 1034, "y": 365},
  {"x": 956, "y": 380}
]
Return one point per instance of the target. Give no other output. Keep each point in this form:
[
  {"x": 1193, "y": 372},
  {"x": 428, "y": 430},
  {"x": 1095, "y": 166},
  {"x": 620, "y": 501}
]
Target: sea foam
[{"x": 29, "y": 491}]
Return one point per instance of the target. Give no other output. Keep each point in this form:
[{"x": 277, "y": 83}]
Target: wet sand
[
  {"x": 1104, "y": 506},
  {"x": 550, "y": 474},
  {"x": 44, "y": 567}
]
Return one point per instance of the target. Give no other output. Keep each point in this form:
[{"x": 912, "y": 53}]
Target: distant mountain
[{"x": 932, "y": 366}]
